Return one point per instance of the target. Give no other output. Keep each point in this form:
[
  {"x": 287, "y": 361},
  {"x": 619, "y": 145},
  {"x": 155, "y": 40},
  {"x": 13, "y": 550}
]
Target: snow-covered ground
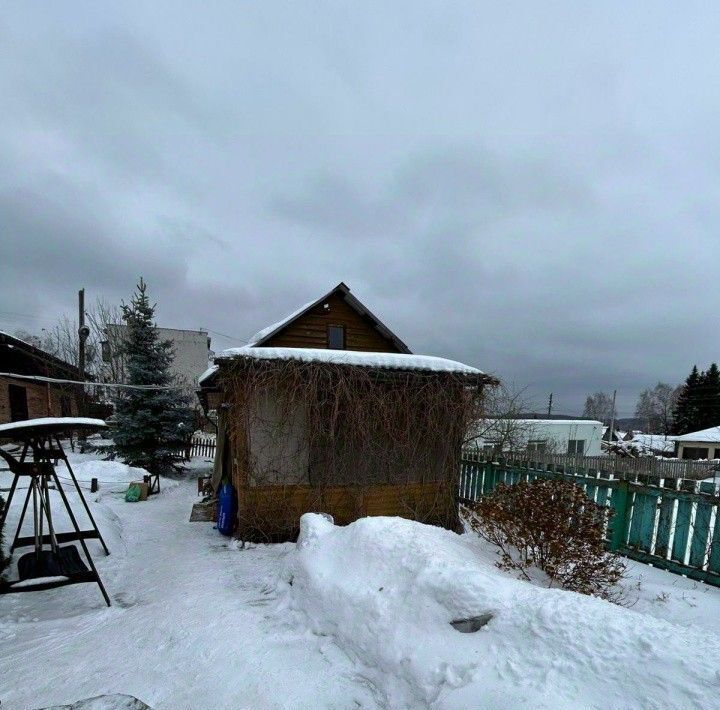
[{"x": 198, "y": 622}]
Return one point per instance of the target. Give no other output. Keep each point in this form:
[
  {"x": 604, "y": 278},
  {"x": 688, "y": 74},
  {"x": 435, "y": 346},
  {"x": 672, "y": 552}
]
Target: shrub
[{"x": 552, "y": 525}]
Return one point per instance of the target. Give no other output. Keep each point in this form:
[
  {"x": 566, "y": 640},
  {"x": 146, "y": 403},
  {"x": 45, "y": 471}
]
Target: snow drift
[{"x": 387, "y": 590}]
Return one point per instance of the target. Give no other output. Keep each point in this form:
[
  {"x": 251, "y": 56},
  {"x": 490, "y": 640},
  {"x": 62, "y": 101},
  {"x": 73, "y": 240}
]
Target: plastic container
[{"x": 227, "y": 509}]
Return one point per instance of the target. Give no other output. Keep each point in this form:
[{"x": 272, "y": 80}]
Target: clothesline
[{"x": 117, "y": 385}]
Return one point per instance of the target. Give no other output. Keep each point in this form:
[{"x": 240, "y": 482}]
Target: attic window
[{"x": 336, "y": 337}]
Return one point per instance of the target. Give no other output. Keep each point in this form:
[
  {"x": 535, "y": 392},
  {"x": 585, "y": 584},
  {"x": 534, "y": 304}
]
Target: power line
[
  {"x": 117, "y": 385},
  {"x": 229, "y": 337}
]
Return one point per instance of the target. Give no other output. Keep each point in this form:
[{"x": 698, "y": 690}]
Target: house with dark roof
[
  {"x": 337, "y": 320},
  {"x": 22, "y": 397},
  {"x": 328, "y": 410}
]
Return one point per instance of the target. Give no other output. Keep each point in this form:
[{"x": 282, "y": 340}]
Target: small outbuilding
[
  {"x": 29, "y": 382},
  {"x": 703, "y": 444},
  {"x": 328, "y": 411}
]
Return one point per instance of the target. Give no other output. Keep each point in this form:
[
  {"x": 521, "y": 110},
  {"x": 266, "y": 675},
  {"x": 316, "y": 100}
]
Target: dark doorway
[
  {"x": 65, "y": 406},
  {"x": 18, "y": 403}
]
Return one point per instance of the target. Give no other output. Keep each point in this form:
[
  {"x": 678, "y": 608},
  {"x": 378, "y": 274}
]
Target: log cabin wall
[{"x": 311, "y": 329}]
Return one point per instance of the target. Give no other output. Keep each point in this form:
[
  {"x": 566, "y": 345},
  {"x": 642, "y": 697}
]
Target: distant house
[
  {"x": 327, "y": 410},
  {"x": 656, "y": 444},
  {"x": 191, "y": 349},
  {"x": 617, "y": 435},
  {"x": 29, "y": 399},
  {"x": 704, "y": 444},
  {"x": 575, "y": 437}
]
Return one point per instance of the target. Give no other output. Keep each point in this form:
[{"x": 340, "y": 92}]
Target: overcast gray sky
[{"x": 532, "y": 188}]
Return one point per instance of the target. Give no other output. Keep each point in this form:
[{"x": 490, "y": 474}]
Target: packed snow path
[{"x": 188, "y": 628}]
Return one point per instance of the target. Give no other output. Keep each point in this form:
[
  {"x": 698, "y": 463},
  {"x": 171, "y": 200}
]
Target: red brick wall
[{"x": 37, "y": 398}]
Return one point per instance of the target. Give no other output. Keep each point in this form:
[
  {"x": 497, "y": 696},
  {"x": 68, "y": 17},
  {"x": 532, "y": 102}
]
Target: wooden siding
[
  {"x": 273, "y": 512},
  {"x": 310, "y": 330}
]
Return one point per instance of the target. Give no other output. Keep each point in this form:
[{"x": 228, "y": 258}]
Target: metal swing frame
[{"x": 46, "y": 451}]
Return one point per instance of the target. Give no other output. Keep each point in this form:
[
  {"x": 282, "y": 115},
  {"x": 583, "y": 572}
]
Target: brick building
[{"x": 27, "y": 399}]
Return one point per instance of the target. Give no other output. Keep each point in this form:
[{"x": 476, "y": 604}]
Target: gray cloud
[{"x": 531, "y": 189}]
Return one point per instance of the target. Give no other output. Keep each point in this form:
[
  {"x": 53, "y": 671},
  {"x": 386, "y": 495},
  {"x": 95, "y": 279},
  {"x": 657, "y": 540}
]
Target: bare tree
[
  {"x": 28, "y": 337},
  {"x": 101, "y": 318},
  {"x": 502, "y": 426},
  {"x": 655, "y": 407},
  {"x": 599, "y": 406},
  {"x": 61, "y": 340}
]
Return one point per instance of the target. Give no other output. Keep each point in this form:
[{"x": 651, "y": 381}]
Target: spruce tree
[
  {"x": 709, "y": 398},
  {"x": 153, "y": 424},
  {"x": 686, "y": 416}
]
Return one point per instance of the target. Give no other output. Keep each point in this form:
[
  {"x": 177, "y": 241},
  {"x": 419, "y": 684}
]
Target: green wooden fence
[{"x": 673, "y": 524}]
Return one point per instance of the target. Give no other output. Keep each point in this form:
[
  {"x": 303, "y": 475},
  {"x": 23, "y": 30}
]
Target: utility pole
[
  {"x": 83, "y": 333},
  {"x": 612, "y": 418},
  {"x": 550, "y": 404}
]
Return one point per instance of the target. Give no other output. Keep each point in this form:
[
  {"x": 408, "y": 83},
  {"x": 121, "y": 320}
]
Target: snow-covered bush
[{"x": 552, "y": 525}]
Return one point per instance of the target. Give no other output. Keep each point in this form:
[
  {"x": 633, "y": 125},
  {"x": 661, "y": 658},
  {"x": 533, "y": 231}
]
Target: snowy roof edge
[
  {"x": 266, "y": 333},
  {"x": 382, "y": 361},
  {"x": 711, "y": 435}
]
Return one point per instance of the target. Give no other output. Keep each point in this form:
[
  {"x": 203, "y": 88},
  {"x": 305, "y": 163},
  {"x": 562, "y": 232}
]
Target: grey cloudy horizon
[{"x": 530, "y": 188}]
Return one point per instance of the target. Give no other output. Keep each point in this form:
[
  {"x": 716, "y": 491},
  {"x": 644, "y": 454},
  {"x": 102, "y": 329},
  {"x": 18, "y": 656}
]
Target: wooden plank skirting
[
  {"x": 272, "y": 513},
  {"x": 670, "y": 523}
]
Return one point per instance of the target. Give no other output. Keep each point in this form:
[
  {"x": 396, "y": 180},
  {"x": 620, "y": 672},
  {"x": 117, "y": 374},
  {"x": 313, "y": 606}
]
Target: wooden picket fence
[
  {"x": 203, "y": 446},
  {"x": 197, "y": 446},
  {"x": 643, "y": 465},
  {"x": 670, "y": 523}
]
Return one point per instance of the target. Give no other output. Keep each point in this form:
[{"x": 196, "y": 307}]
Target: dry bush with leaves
[
  {"x": 324, "y": 426},
  {"x": 552, "y": 525}
]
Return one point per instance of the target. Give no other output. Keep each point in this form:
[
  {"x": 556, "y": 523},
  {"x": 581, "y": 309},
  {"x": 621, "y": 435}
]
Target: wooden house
[
  {"x": 327, "y": 410},
  {"x": 22, "y": 398}
]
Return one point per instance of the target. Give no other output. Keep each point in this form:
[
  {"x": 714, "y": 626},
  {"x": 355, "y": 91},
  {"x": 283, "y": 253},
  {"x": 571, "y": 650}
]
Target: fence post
[{"x": 619, "y": 501}]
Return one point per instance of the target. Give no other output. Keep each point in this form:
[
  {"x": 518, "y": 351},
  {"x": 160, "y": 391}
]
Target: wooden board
[
  {"x": 274, "y": 511},
  {"x": 310, "y": 330}
]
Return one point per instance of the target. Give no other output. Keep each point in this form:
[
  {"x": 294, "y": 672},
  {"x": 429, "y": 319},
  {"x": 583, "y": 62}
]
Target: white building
[
  {"x": 191, "y": 348},
  {"x": 704, "y": 444},
  {"x": 580, "y": 437}
]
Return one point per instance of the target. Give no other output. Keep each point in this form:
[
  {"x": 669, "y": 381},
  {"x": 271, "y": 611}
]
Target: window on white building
[
  {"x": 537, "y": 445},
  {"x": 576, "y": 447}
]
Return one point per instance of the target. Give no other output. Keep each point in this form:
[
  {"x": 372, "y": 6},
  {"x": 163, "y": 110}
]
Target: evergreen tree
[
  {"x": 708, "y": 399},
  {"x": 686, "y": 416},
  {"x": 151, "y": 424}
]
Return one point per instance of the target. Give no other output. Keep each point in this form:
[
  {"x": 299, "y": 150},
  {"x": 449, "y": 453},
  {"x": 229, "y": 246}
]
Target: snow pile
[
  {"x": 106, "y": 472},
  {"x": 105, "y": 702},
  {"x": 386, "y": 590}
]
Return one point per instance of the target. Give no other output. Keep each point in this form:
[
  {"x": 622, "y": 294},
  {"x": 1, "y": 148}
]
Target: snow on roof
[
  {"x": 385, "y": 361},
  {"x": 555, "y": 421},
  {"x": 262, "y": 334},
  {"x": 208, "y": 373},
  {"x": 655, "y": 442},
  {"x": 53, "y": 423},
  {"x": 711, "y": 435},
  {"x": 14, "y": 337}
]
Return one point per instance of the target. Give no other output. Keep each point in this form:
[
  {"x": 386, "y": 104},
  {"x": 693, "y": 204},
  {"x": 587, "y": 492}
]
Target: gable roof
[
  {"x": 34, "y": 353},
  {"x": 262, "y": 336},
  {"x": 710, "y": 436}
]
